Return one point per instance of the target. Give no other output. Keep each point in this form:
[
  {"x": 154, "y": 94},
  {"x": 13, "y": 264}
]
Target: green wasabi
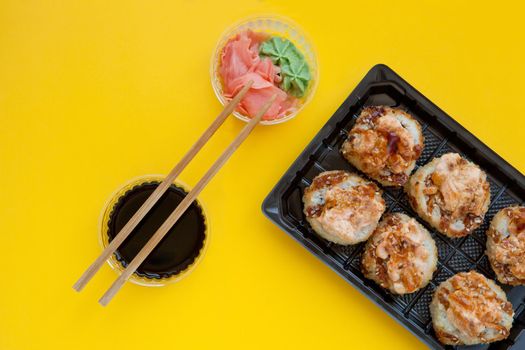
[{"x": 294, "y": 69}]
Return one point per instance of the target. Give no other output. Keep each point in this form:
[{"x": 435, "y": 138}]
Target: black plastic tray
[{"x": 381, "y": 86}]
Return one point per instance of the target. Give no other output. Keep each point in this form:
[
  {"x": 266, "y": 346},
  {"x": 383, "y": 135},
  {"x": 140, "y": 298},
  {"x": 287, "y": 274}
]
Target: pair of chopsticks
[{"x": 161, "y": 189}]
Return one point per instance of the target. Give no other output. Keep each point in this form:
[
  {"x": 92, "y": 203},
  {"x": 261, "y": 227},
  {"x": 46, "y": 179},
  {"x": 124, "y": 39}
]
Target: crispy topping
[
  {"x": 400, "y": 178},
  {"x": 517, "y": 219},
  {"x": 508, "y": 257},
  {"x": 350, "y": 198},
  {"x": 447, "y": 338},
  {"x": 327, "y": 179},
  {"x": 344, "y": 201},
  {"x": 396, "y": 250},
  {"x": 473, "y": 307},
  {"x": 357, "y": 205},
  {"x": 461, "y": 185},
  {"x": 376, "y": 111},
  {"x": 384, "y": 147},
  {"x": 460, "y": 189},
  {"x": 314, "y": 210}
]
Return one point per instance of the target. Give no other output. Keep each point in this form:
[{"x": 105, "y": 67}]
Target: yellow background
[{"x": 95, "y": 93}]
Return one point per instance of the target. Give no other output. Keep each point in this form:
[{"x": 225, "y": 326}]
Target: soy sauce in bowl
[{"x": 177, "y": 253}]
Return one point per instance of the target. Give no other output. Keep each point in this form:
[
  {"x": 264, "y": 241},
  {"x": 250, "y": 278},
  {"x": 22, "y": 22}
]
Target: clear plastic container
[
  {"x": 273, "y": 25},
  {"x": 104, "y": 238}
]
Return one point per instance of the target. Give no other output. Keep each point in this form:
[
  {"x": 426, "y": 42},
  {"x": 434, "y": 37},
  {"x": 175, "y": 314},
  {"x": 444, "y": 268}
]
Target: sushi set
[
  {"x": 418, "y": 266},
  {"x": 393, "y": 194}
]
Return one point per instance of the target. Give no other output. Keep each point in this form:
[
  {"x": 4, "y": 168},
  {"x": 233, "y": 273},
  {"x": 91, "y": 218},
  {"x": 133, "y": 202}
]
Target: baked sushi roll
[
  {"x": 506, "y": 245},
  {"x": 343, "y": 207},
  {"x": 451, "y": 194},
  {"x": 384, "y": 144},
  {"x": 400, "y": 256},
  {"x": 470, "y": 309}
]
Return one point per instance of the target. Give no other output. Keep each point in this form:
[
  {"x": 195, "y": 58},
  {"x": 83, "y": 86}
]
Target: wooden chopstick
[
  {"x": 181, "y": 208},
  {"x": 160, "y": 190}
]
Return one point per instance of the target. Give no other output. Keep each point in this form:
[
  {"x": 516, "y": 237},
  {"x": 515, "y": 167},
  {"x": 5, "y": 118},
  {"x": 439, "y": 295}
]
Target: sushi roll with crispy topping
[
  {"x": 343, "y": 207},
  {"x": 451, "y": 194},
  {"x": 385, "y": 144},
  {"x": 470, "y": 309},
  {"x": 506, "y": 245},
  {"x": 400, "y": 256}
]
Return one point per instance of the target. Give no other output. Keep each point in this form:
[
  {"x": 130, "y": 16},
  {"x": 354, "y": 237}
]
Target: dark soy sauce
[{"x": 177, "y": 250}]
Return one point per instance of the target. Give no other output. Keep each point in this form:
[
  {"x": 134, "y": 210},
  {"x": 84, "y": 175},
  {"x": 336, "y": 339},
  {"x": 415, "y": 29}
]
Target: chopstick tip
[
  {"x": 79, "y": 285},
  {"x": 104, "y": 301}
]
